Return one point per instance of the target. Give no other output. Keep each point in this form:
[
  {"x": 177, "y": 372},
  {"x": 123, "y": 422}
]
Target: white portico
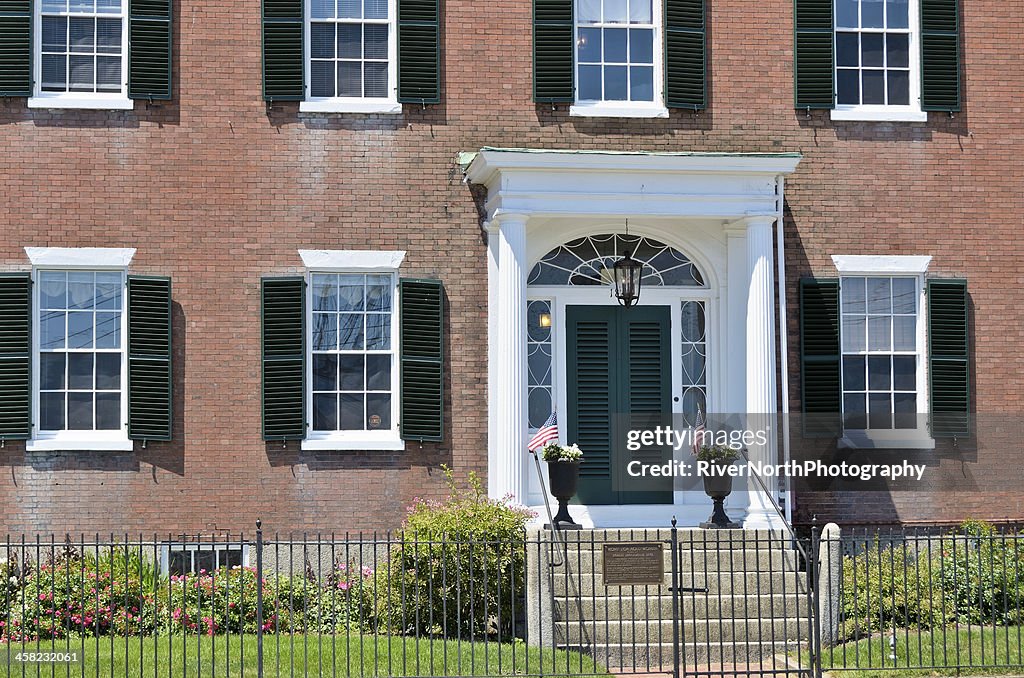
[{"x": 705, "y": 224}]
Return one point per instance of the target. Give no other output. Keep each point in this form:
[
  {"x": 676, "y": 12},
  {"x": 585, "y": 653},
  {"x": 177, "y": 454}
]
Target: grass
[
  {"x": 983, "y": 651},
  {"x": 354, "y": 656}
]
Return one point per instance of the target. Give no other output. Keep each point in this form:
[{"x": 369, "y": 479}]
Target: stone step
[
  {"x": 643, "y": 631},
  {"x": 709, "y": 539},
  {"x": 743, "y": 583},
  {"x": 748, "y": 560},
  {"x": 630, "y": 658},
  {"x": 691, "y": 606}
]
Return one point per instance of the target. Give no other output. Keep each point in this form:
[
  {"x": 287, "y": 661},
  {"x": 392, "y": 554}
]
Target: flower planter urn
[
  {"x": 718, "y": 487},
  {"x": 563, "y": 480}
]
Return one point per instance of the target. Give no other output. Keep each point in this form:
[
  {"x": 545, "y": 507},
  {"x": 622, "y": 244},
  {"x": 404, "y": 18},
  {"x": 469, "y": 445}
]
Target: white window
[
  {"x": 179, "y": 559},
  {"x": 618, "y": 58},
  {"x": 353, "y": 373},
  {"x": 82, "y": 54},
  {"x": 352, "y": 56},
  {"x": 80, "y": 368},
  {"x": 877, "y": 60},
  {"x": 882, "y": 352}
]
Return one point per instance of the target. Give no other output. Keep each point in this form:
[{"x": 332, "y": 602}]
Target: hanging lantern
[{"x": 627, "y": 271}]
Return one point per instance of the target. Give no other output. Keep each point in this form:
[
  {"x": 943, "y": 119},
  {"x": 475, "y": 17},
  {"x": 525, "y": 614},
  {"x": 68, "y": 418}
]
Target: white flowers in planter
[{"x": 555, "y": 452}]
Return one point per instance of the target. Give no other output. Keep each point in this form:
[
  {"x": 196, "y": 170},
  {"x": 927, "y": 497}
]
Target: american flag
[
  {"x": 547, "y": 433},
  {"x": 698, "y": 430}
]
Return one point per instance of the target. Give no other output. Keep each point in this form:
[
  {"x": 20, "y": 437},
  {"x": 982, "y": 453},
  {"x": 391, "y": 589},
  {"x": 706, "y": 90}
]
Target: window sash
[
  {"x": 391, "y": 86},
  {"x": 393, "y": 352},
  {"x": 917, "y": 353},
  {"x": 913, "y": 68},
  {"x": 39, "y": 52},
  {"x": 119, "y": 433},
  {"x": 657, "y": 49}
]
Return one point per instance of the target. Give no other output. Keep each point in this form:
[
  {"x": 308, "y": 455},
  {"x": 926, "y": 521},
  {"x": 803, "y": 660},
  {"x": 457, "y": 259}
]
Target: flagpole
[{"x": 543, "y": 490}]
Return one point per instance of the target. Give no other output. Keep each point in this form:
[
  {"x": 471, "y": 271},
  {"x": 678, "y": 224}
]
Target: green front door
[{"x": 617, "y": 362}]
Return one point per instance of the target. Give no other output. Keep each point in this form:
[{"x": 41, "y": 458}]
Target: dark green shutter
[
  {"x": 813, "y": 64},
  {"x": 149, "y": 49},
  {"x": 283, "y": 310},
  {"x": 149, "y": 358},
  {"x": 821, "y": 386},
  {"x": 15, "y": 356},
  {"x": 15, "y": 48},
  {"x": 684, "y": 54},
  {"x": 422, "y": 346},
  {"x": 283, "y": 67},
  {"x": 948, "y": 357},
  {"x": 552, "y": 51},
  {"x": 419, "y": 51},
  {"x": 940, "y": 55}
]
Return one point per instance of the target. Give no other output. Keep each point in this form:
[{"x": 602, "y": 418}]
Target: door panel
[{"x": 617, "y": 361}]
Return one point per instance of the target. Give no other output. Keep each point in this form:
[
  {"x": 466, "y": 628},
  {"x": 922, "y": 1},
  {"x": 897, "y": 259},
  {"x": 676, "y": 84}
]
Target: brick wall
[{"x": 216, "y": 191}]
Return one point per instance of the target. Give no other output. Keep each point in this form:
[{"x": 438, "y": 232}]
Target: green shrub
[
  {"x": 983, "y": 574},
  {"x": 888, "y": 586},
  {"x": 458, "y": 570}
]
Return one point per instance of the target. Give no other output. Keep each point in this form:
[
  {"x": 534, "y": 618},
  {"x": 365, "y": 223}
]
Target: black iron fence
[{"x": 680, "y": 601}]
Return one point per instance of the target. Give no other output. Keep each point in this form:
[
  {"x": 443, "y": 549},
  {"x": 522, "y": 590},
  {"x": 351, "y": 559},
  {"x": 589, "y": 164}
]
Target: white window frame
[
  {"x": 79, "y": 258},
  {"x": 384, "y": 105},
  {"x": 624, "y": 109},
  {"x": 911, "y": 112},
  {"x": 356, "y": 262},
  {"x": 83, "y": 100},
  {"x": 895, "y": 266},
  {"x": 192, "y": 547}
]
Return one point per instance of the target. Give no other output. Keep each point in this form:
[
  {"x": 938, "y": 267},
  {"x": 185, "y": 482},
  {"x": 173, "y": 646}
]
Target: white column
[
  {"x": 761, "y": 402},
  {"x": 510, "y": 385}
]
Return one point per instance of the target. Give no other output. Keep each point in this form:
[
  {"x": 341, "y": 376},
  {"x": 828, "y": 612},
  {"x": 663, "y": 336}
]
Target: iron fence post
[
  {"x": 675, "y": 599},
  {"x": 259, "y": 598}
]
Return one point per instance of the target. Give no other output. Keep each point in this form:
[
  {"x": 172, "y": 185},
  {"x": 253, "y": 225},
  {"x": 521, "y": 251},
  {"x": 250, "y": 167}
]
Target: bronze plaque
[{"x": 639, "y": 563}]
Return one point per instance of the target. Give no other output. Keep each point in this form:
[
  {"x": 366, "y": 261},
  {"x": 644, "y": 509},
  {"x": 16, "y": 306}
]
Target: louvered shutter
[
  {"x": 948, "y": 357},
  {"x": 814, "y": 66},
  {"x": 820, "y": 356},
  {"x": 15, "y": 356},
  {"x": 283, "y": 310},
  {"x": 422, "y": 355},
  {"x": 283, "y": 68},
  {"x": 419, "y": 53},
  {"x": 645, "y": 393},
  {"x": 552, "y": 51},
  {"x": 592, "y": 383},
  {"x": 149, "y": 358},
  {"x": 149, "y": 49},
  {"x": 15, "y": 48},
  {"x": 685, "y": 54},
  {"x": 940, "y": 55}
]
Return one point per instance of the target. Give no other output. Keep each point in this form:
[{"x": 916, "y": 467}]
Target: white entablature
[{"x": 691, "y": 185}]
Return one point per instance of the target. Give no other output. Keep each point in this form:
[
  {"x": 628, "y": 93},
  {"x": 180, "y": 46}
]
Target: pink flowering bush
[
  {"x": 459, "y": 568},
  {"x": 208, "y": 603},
  {"x": 338, "y": 604},
  {"x": 85, "y": 596}
]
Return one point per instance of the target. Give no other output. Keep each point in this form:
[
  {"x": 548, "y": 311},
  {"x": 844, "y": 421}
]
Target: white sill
[
  {"x": 908, "y": 439},
  {"x": 100, "y": 103},
  {"x": 60, "y": 445},
  {"x": 878, "y": 114},
  {"x": 370, "y": 445},
  {"x": 329, "y": 106},
  {"x": 625, "y": 109}
]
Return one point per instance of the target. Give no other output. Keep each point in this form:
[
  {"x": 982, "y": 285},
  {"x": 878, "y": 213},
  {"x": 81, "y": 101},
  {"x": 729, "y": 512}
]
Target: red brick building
[{"x": 293, "y": 174}]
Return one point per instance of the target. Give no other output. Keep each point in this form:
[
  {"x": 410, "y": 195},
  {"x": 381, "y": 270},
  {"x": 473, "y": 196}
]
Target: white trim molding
[
  {"x": 344, "y": 106},
  {"x": 80, "y": 257},
  {"x": 856, "y": 264},
  {"x": 878, "y": 114},
  {"x": 618, "y": 109},
  {"x": 352, "y": 260},
  {"x": 80, "y": 445},
  {"x": 94, "y": 102},
  {"x": 382, "y": 444}
]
